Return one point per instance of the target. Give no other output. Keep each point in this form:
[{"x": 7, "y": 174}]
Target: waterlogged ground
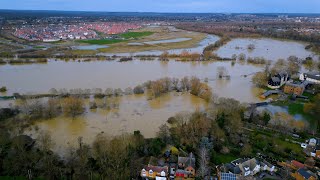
[
  {"x": 40, "y": 78},
  {"x": 210, "y": 39},
  {"x": 135, "y": 112},
  {"x": 270, "y": 49},
  {"x": 89, "y": 47}
]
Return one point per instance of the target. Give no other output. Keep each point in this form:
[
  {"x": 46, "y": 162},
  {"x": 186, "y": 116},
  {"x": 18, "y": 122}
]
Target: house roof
[
  {"x": 306, "y": 174},
  {"x": 233, "y": 168},
  {"x": 157, "y": 169},
  {"x": 239, "y": 161},
  {"x": 297, "y": 164},
  {"x": 275, "y": 79},
  {"x": 283, "y": 74},
  {"x": 302, "y": 85},
  {"x": 181, "y": 171},
  {"x": 313, "y": 75},
  {"x": 267, "y": 163},
  {"x": 251, "y": 163},
  {"x": 188, "y": 161},
  {"x": 227, "y": 176}
]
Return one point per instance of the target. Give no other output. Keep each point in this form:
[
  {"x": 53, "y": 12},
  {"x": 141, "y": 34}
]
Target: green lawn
[
  {"x": 129, "y": 35},
  {"x": 295, "y": 108},
  {"x": 39, "y": 47},
  {"x": 101, "y": 41},
  {"x": 224, "y": 158}
]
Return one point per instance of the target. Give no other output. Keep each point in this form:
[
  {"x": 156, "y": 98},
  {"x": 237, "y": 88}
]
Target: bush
[
  {"x": 3, "y": 89},
  {"x": 138, "y": 90}
]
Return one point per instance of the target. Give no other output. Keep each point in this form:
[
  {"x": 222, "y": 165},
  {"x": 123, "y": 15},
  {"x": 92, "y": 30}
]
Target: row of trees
[
  {"x": 193, "y": 84},
  {"x": 119, "y": 157},
  {"x": 33, "y": 109},
  {"x": 183, "y": 56}
]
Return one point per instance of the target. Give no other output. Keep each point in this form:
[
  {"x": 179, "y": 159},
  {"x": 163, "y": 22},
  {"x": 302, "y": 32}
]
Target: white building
[{"x": 311, "y": 77}]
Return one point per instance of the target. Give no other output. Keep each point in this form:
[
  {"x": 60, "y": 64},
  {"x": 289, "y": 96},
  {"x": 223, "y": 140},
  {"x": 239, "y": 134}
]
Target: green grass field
[
  {"x": 101, "y": 41},
  {"x": 39, "y": 47},
  {"x": 129, "y": 35},
  {"x": 126, "y": 36}
]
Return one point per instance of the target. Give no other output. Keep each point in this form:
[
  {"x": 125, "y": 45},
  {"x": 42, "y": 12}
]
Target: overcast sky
[{"x": 240, "y": 6}]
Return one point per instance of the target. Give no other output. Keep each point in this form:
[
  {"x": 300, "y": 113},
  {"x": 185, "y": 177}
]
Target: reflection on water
[
  {"x": 134, "y": 113},
  {"x": 37, "y": 78},
  {"x": 168, "y": 41},
  {"x": 270, "y": 49},
  {"x": 89, "y": 47},
  {"x": 279, "y": 109}
]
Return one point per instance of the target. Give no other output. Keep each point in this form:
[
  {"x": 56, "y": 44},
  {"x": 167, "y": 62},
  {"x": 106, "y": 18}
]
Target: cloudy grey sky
[{"x": 242, "y": 6}]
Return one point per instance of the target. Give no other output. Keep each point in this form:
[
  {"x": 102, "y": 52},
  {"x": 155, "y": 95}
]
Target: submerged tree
[{"x": 73, "y": 106}]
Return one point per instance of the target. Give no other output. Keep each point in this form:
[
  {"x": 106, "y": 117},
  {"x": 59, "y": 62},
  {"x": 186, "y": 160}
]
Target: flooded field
[
  {"x": 40, "y": 78},
  {"x": 168, "y": 41},
  {"x": 210, "y": 39},
  {"x": 135, "y": 112},
  {"x": 89, "y": 47},
  {"x": 270, "y": 49}
]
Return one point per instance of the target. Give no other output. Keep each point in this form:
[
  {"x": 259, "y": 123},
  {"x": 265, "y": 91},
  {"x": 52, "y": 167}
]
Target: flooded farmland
[
  {"x": 270, "y": 49},
  {"x": 40, "y": 78},
  {"x": 137, "y": 112},
  {"x": 133, "y": 113}
]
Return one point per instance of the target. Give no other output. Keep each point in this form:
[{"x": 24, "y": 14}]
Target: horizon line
[{"x": 93, "y": 11}]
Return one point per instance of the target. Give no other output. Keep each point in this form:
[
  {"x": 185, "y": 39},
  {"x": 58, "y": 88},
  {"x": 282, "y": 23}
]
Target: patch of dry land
[{"x": 191, "y": 39}]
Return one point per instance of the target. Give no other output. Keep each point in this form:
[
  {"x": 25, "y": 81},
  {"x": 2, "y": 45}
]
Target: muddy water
[
  {"x": 270, "y": 49},
  {"x": 39, "y": 78},
  {"x": 135, "y": 112},
  {"x": 89, "y": 47}
]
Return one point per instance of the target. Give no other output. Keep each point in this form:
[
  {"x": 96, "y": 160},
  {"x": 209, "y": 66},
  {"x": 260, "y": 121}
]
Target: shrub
[
  {"x": 3, "y": 89},
  {"x": 138, "y": 90}
]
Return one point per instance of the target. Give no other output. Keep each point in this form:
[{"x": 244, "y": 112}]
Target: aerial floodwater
[
  {"x": 134, "y": 112},
  {"x": 89, "y": 94},
  {"x": 270, "y": 49},
  {"x": 89, "y": 47},
  {"x": 40, "y": 78}
]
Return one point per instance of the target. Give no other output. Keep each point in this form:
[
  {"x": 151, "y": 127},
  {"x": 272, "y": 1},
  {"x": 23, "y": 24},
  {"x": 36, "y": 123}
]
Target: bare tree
[{"x": 203, "y": 163}]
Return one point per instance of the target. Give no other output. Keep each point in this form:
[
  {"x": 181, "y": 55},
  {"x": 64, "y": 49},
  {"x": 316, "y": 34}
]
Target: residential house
[
  {"x": 316, "y": 152},
  {"x": 266, "y": 166},
  {"x": 186, "y": 167},
  {"x": 154, "y": 172},
  {"x": 247, "y": 168},
  {"x": 232, "y": 168},
  {"x": 304, "y": 174},
  {"x": 294, "y": 88},
  {"x": 297, "y": 165},
  {"x": 312, "y": 142},
  {"x": 278, "y": 80},
  {"x": 311, "y": 77},
  {"x": 250, "y": 167}
]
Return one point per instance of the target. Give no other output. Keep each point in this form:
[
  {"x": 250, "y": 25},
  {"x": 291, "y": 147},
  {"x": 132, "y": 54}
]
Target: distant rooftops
[{"x": 303, "y": 172}]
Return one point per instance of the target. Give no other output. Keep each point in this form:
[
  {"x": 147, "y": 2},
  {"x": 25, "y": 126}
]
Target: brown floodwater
[
  {"x": 270, "y": 49},
  {"x": 40, "y": 78},
  {"x": 135, "y": 112}
]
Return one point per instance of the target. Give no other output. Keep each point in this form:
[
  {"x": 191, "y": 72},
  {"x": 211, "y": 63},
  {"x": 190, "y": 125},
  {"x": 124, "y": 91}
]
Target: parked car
[{"x": 304, "y": 145}]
